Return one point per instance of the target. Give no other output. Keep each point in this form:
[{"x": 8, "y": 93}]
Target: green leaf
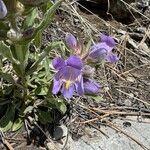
[
  {"x": 4, "y": 101},
  {"x": 46, "y": 6},
  {"x": 22, "y": 52},
  {"x": 19, "y": 71},
  {"x": 60, "y": 105},
  {"x": 38, "y": 39},
  {"x": 41, "y": 90},
  {"x": 17, "y": 124},
  {"x": 49, "y": 16},
  {"x": 97, "y": 98},
  {"x": 29, "y": 109},
  {"x": 6, "y": 52},
  {"x": 42, "y": 56},
  {"x": 29, "y": 21},
  {"x": 44, "y": 117},
  {"x": 6, "y": 121},
  {"x": 7, "y": 77}
]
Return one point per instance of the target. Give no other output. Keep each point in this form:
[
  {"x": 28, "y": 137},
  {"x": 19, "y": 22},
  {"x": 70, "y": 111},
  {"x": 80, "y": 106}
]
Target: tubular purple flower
[
  {"x": 68, "y": 78},
  {"x": 104, "y": 49},
  {"x": 108, "y": 40},
  {"x": 3, "y": 9},
  {"x": 91, "y": 87},
  {"x": 71, "y": 41}
]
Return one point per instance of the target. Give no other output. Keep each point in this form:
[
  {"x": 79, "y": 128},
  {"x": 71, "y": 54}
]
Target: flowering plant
[{"x": 27, "y": 71}]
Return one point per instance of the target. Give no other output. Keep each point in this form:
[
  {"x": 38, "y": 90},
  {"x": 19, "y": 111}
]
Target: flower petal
[
  {"x": 3, "y": 9},
  {"x": 58, "y": 63},
  {"x": 108, "y": 40},
  {"x": 68, "y": 93},
  {"x": 71, "y": 41},
  {"x": 68, "y": 73},
  {"x": 112, "y": 58},
  {"x": 91, "y": 87},
  {"x": 79, "y": 86},
  {"x": 56, "y": 86},
  {"x": 99, "y": 50},
  {"x": 75, "y": 62}
]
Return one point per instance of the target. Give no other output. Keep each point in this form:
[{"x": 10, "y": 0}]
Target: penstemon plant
[{"x": 31, "y": 79}]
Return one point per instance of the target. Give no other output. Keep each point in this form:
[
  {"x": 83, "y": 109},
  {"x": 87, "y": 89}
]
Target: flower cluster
[
  {"x": 73, "y": 74},
  {"x": 103, "y": 50}
]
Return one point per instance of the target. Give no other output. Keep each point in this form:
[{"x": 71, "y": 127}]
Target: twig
[
  {"x": 144, "y": 102},
  {"x": 5, "y": 142},
  {"x": 95, "y": 119},
  {"x": 137, "y": 67}
]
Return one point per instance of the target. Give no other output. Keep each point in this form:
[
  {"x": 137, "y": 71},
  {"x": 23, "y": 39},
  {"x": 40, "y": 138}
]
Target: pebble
[{"x": 60, "y": 132}]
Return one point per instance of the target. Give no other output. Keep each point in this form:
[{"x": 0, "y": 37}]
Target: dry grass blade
[{"x": 144, "y": 102}]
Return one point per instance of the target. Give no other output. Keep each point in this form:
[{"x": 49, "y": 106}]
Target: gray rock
[{"x": 116, "y": 140}]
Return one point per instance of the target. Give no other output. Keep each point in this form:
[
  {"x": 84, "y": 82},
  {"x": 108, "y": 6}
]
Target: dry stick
[
  {"x": 145, "y": 36},
  {"x": 144, "y": 102},
  {"x": 8, "y": 145},
  {"x": 128, "y": 71},
  {"x": 127, "y": 134},
  {"x": 118, "y": 75},
  {"x": 95, "y": 119},
  {"x": 91, "y": 109},
  {"x": 98, "y": 129},
  {"x": 108, "y": 112}
]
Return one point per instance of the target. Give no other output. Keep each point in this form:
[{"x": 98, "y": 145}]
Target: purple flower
[
  {"x": 104, "y": 49},
  {"x": 3, "y": 9},
  {"x": 68, "y": 77},
  {"x": 108, "y": 40},
  {"x": 72, "y": 43},
  {"x": 91, "y": 87}
]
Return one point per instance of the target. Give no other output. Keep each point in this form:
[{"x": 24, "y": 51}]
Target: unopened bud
[
  {"x": 13, "y": 35},
  {"x": 3, "y": 9},
  {"x": 88, "y": 71}
]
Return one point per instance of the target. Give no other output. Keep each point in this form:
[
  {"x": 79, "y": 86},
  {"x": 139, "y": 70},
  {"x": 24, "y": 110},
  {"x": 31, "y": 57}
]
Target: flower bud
[
  {"x": 13, "y": 35},
  {"x": 71, "y": 41},
  {"x": 88, "y": 71},
  {"x": 91, "y": 87},
  {"x": 3, "y": 9}
]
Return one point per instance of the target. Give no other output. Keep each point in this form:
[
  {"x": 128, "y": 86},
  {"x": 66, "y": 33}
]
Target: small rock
[
  {"x": 131, "y": 95},
  {"x": 60, "y": 132},
  {"x": 130, "y": 79},
  {"x": 132, "y": 43},
  {"x": 144, "y": 48},
  {"x": 50, "y": 146},
  {"x": 127, "y": 102}
]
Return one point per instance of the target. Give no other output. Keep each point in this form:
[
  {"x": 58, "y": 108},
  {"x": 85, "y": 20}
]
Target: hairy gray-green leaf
[
  {"x": 7, "y": 77},
  {"x": 6, "y": 121},
  {"x": 30, "y": 19},
  {"x": 49, "y": 16},
  {"x": 17, "y": 124},
  {"x": 6, "y": 52}
]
